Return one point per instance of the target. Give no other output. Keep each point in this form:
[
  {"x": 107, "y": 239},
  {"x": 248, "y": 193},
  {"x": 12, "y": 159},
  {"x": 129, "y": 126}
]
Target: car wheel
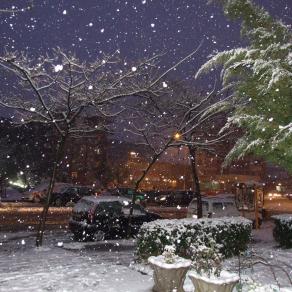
[
  {"x": 98, "y": 235},
  {"x": 58, "y": 202}
]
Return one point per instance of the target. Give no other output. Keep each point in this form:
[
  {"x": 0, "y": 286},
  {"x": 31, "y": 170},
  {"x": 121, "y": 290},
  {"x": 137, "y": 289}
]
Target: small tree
[
  {"x": 196, "y": 119},
  {"x": 180, "y": 118},
  {"x": 148, "y": 124}
]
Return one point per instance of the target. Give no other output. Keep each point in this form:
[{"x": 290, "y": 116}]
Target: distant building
[{"x": 173, "y": 171}]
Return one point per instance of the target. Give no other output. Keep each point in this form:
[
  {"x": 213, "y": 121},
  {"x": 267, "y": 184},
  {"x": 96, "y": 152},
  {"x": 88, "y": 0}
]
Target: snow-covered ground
[{"x": 64, "y": 265}]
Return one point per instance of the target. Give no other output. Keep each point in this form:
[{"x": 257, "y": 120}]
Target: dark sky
[{"x": 136, "y": 27}]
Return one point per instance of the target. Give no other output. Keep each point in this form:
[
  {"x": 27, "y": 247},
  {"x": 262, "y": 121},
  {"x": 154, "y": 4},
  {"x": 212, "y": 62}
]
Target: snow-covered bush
[
  {"x": 232, "y": 234},
  {"x": 206, "y": 257},
  {"x": 283, "y": 229}
]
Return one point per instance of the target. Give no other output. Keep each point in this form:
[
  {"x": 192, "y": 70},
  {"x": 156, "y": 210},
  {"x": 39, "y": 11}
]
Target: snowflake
[{"x": 58, "y": 68}]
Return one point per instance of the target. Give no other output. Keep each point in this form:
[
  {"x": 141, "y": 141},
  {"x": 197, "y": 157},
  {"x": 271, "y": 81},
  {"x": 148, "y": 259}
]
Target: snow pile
[{"x": 161, "y": 262}]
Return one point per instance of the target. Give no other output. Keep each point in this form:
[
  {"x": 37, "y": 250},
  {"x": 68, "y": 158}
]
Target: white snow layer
[{"x": 105, "y": 266}]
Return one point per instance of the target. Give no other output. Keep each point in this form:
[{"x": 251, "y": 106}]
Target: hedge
[
  {"x": 232, "y": 234},
  {"x": 283, "y": 230}
]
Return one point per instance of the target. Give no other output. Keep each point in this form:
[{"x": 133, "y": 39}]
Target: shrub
[
  {"x": 206, "y": 257},
  {"x": 232, "y": 234},
  {"x": 283, "y": 230}
]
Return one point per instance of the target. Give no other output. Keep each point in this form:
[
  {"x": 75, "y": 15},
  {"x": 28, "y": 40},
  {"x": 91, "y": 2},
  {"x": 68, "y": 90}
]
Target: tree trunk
[
  {"x": 137, "y": 185},
  {"x": 42, "y": 222},
  {"x": 196, "y": 181}
]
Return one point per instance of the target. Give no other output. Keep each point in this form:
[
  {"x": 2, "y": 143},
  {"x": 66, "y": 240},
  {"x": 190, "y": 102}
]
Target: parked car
[
  {"x": 70, "y": 194},
  {"x": 175, "y": 198},
  {"x": 10, "y": 194},
  {"x": 102, "y": 217},
  {"x": 38, "y": 193},
  {"x": 151, "y": 196}
]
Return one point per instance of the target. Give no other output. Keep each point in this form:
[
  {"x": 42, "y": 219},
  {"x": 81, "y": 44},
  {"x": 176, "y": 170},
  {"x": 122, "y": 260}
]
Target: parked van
[
  {"x": 217, "y": 206},
  {"x": 221, "y": 205}
]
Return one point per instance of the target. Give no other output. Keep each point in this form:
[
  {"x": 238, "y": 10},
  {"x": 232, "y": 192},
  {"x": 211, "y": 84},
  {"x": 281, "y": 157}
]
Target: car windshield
[
  {"x": 229, "y": 204},
  {"x": 217, "y": 206}
]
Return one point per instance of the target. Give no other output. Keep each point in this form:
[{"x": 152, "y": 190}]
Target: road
[
  {"x": 25, "y": 216},
  {"x": 279, "y": 205}
]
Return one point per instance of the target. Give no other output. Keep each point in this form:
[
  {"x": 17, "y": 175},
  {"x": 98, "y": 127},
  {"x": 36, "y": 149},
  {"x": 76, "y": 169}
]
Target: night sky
[{"x": 138, "y": 28}]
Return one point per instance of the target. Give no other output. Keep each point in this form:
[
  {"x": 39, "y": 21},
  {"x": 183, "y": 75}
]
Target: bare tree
[
  {"x": 180, "y": 118},
  {"x": 149, "y": 126},
  {"x": 64, "y": 92},
  {"x": 197, "y": 121}
]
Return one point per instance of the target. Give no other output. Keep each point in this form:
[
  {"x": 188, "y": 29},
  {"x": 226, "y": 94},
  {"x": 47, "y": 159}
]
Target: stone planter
[
  {"x": 168, "y": 277},
  {"x": 224, "y": 283}
]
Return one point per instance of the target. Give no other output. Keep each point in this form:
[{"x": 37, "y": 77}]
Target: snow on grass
[{"x": 52, "y": 268}]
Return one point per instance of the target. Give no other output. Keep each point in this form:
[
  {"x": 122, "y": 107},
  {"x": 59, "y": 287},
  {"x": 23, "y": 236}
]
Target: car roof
[{"x": 99, "y": 199}]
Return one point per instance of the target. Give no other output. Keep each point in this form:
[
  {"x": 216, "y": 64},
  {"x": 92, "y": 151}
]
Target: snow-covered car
[
  {"x": 69, "y": 195},
  {"x": 97, "y": 218},
  {"x": 38, "y": 193}
]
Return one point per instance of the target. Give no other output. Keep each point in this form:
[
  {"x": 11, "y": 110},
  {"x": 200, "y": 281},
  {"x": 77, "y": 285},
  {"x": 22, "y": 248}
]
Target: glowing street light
[{"x": 177, "y": 136}]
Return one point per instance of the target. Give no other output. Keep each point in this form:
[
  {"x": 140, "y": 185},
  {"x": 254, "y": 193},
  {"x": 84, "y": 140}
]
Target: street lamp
[{"x": 177, "y": 136}]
